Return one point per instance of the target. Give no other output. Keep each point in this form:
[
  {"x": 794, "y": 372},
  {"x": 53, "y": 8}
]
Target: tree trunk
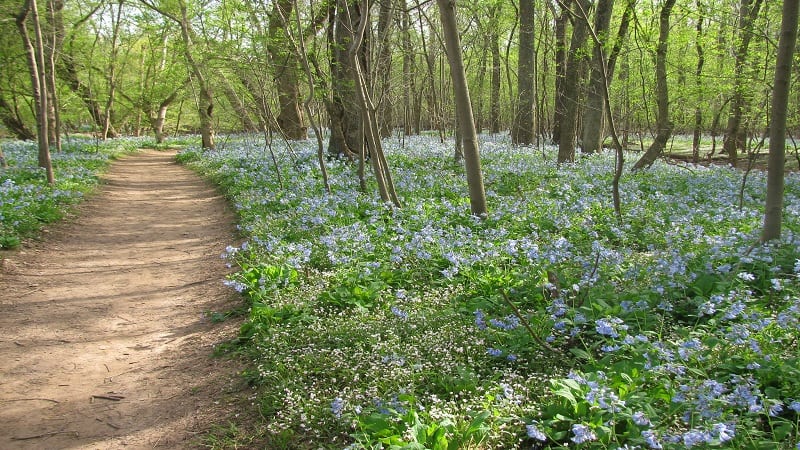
[
  {"x": 206, "y": 98},
  {"x": 494, "y": 117},
  {"x": 662, "y": 94},
  {"x": 384, "y": 67},
  {"x": 593, "y": 129},
  {"x": 698, "y": 73},
  {"x": 773, "y": 213},
  {"x": 54, "y": 41},
  {"x": 523, "y": 129},
  {"x": 472, "y": 160},
  {"x": 286, "y": 69},
  {"x": 112, "y": 72},
  {"x": 735, "y": 137},
  {"x": 347, "y": 136},
  {"x": 367, "y": 107},
  {"x": 36, "y": 67},
  {"x": 408, "y": 76},
  {"x": 575, "y": 59},
  {"x": 561, "y": 70}
]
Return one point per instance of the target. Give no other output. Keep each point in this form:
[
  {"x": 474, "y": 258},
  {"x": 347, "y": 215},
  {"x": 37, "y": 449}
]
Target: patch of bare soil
[{"x": 105, "y": 337}]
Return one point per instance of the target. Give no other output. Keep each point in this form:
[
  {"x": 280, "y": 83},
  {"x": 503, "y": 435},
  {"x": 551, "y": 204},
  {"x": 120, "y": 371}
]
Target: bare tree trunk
[
  {"x": 561, "y": 69},
  {"x": 698, "y": 73},
  {"x": 384, "y": 67},
  {"x": 347, "y": 135},
  {"x": 662, "y": 94},
  {"x": 205, "y": 96},
  {"x": 734, "y": 138},
  {"x": 367, "y": 107},
  {"x": 593, "y": 129},
  {"x": 286, "y": 67},
  {"x": 112, "y": 70},
  {"x": 523, "y": 129},
  {"x": 408, "y": 77},
  {"x": 569, "y": 124},
  {"x": 54, "y": 42},
  {"x": 36, "y": 66},
  {"x": 472, "y": 160},
  {"x": 494, "y": 117},
  {"x": 773, "y": 212}
]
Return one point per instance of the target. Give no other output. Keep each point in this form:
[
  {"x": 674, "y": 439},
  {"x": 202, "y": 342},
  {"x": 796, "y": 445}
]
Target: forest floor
[{"x": 106, "y": 330}]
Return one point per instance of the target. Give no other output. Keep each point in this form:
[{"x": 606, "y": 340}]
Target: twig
[
  {"x": 112, "y": 397},
  {"x": 526, "y": 324},
  {"x": 31, "y": 400},
  {"x": 51, "y": 433},
  {"x": 116, "y": 427}
]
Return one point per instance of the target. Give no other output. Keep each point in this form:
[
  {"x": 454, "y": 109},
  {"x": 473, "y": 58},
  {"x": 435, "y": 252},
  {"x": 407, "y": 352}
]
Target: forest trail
[{"x": 105, "y": 336}]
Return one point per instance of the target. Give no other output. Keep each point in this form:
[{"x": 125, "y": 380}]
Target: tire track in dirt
[{"x": 105, "y": 340}]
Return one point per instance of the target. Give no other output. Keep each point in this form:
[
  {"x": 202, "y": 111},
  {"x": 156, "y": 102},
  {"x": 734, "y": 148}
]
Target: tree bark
[
  {"x": 561, "y": 70},
  {"x": 575, "y": 59},
  {"x": 369, "y": 121},
  {"x": 35, "y": 56},
  {"x": 773, "y": 212},
  {"x": 347, "y": 135},
  {"x": 593, "y": 129},
  {"x": 384, "y": 67},
  {"x": 54, "y": 40},
  {"x": 494, "y": 117},
  {"x": 735, "y": 137},
  {"x": 523, "y": 129},
  {"x": 112, "y": 69},
  {"x": 286, "y": 69},
  {"x": 662, "y": 94},
  {"x": 698, "y": 73},
  {"x": 472, "y": 160}
]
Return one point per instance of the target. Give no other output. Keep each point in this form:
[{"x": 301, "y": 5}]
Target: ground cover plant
[
  {"x": 547, "y": 323},
  {"x": 27, "y": 202}
]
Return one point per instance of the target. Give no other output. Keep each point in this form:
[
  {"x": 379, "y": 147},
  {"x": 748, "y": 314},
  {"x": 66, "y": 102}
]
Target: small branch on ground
[{"x": 43, "y": 435}]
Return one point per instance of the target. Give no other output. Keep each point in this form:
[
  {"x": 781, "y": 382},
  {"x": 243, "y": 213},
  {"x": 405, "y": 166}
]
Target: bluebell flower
[
  {"x": 337, "y": 406},
  {"x": 795, "y": 406},
  {"x": 724, "y": 432},
  {"x": 508, "y": 323},
  {"x": 639, "y": 418},
  {"x": 694, "y": 437},
  {"x": 480, "y": 321},
  {"x": 775, "y": 409},
  {"x": 535, "y": 433},
  {"x": 582, "y": 434},
  {"x": 651, "y": 440},
  {"x": 399, "y": 313},
  {"x": 494, "y": 352}
]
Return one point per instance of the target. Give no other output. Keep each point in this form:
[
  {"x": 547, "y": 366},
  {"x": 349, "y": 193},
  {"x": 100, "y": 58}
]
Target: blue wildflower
[
  {"x": 639, "y": 418},
  {"x": 494, "y": 352},
  {"x": 795, "y": 406},
  {"x": 651, "y": 440},
  {"x": 399, "y": 313},
  {"x": 480, "y": 321},
  {"x": 535, "y": 433},
  {"x": 582, "y": 434},
  {"x": 337, "y": 406}
]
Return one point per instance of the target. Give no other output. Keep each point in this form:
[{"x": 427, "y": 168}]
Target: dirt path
[{"x": 105, "y": 340}]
